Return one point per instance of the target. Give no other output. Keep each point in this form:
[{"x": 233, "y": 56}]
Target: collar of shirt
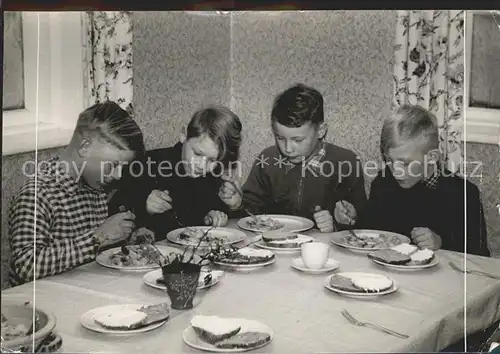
[
  {"x": 314, "y": 160},
  {"x": 57, "y": 170}
]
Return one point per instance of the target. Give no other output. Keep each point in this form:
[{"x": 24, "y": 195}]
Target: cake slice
[
  {"x": 123, "y": 319},
  {"x": 421, "y": 257},
  {"x": 213, "y": 329},
  {"x": 390, "y": 256},
  {"x": 244, "y": 340},
  {"x": 155, "y": 313}
]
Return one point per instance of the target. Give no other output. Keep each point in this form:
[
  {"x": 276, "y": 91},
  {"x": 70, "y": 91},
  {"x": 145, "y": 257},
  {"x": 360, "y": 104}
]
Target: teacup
[{"x": 314, "y": 254}]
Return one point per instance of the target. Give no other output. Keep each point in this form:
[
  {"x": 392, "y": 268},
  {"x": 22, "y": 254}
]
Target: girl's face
[{"x": 199, "y": 156}]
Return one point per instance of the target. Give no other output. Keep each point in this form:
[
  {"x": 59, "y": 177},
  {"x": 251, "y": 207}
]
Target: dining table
[{"x": 435, "y": 306}]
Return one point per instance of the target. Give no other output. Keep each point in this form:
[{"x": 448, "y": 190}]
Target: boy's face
[
  {"x": 103, "y": 163},
  {"x": 409, "y": 162},
  {"x": 297, "y": 143},
  {"x": 199, "y": 156}
]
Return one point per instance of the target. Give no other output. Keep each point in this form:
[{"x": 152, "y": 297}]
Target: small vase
[{"x": 181, "y": 282}]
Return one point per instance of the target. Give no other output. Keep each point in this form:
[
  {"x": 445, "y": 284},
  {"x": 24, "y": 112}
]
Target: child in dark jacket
[
  {"x": 302, "y": 174},
  {"x": 184, "y": 185},
  {"x": 415, "y": 195}
]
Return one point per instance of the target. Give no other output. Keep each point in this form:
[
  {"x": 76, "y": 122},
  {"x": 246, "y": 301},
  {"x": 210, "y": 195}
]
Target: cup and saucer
[{"x": 314, "y": 258}]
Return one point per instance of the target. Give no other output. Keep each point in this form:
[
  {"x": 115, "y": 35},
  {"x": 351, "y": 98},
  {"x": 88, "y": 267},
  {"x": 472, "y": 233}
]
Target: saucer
[{"x": 330, "y": 265}]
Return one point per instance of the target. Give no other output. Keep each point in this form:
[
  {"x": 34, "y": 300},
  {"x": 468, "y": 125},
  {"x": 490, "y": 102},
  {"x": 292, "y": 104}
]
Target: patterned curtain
[
  {"x": 108, "y": 57},
  {"x": 429, "y": 72}
]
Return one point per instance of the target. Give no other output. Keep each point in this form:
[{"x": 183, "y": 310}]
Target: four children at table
[{"x": 192, "y": 183}]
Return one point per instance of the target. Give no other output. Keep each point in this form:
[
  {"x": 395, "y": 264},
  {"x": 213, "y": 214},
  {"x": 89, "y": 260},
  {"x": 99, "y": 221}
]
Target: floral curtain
[
  {"x": 108, "y": 57},
  {"x": 429, "y": 72}
]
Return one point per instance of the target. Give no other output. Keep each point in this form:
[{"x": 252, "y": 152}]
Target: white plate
[
  {"x": 338, "y": 239},
  {"x": 291, "y": 223},
  {"x": 190, "y": 337},
  {"x": 264, "y": 245},
  {"x": 408, "y": 267},
  {"x": 87, "y": 320},
  {"x": 230, "y": 236},
  {"x": 103, "y": 258},
  {"x": 330, "y": 265},
  {"x": 151, "y": 277},
  {"x": 327, "y": 285}
]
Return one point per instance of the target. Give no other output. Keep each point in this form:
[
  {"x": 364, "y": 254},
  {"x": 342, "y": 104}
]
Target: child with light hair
[
  {"x": 415, "y": 195},
  {"x": 66, "y": 202}
]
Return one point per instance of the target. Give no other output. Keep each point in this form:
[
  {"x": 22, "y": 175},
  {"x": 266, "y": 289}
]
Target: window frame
[
  {"x": 60, "y": 75},
  {"x": 482, "y": 125}
]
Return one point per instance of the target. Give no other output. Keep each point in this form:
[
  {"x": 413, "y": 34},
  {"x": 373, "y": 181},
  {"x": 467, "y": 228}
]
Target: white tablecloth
[{"x": 305, "y": 317}]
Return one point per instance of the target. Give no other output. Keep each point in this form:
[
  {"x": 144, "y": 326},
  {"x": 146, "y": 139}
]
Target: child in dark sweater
[
  {"x": 415, "y": 195},
  {"x": 302, "y": 174},
  {"x": 184, "y": 185}
]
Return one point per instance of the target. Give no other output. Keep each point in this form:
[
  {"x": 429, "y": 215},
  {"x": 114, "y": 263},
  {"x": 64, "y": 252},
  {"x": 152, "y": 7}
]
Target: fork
[
  {"x": 355, "y": 322},
  {"x": 476, "y": 272},
  {"x": 241, "y": 195}
]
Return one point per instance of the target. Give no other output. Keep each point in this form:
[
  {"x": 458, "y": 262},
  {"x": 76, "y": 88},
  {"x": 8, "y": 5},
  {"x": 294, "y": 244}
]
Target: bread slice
[
  {"x": 278, "y": 236},
  {"x": 155, "y": 313},
  {"x": 213, "y": 329},
  {"x": 421, "y": 257},
  {"x": 343, "y": 283},
  {"x": 389, "y": 256},
  {"x": 244, "y": 340},
  {"x": 124, "y": 319}
]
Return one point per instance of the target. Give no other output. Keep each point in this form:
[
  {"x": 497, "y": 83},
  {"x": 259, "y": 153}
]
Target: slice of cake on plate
[{"x": 372, "y": 283}]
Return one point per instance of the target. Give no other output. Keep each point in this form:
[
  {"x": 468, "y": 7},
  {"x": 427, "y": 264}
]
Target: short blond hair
[
  {"x": 111, "y": 123},
  {"x": 408, "y": 123}
]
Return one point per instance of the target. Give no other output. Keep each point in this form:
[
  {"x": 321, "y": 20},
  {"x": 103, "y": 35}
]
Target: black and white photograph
[{"x": 264, "y": 181}]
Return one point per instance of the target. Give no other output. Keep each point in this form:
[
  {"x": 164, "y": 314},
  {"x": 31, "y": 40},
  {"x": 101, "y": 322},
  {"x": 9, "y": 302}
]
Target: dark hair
[
  {"x": 222, "y": 126},
  {"x": 298, "y": 105},
  {"x": 110, "y": 122},
  {"x": 407, "y": 123}
]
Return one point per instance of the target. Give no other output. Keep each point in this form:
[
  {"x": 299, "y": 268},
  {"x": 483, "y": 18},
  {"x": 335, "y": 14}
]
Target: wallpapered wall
[{"x": 182, "y": 61}]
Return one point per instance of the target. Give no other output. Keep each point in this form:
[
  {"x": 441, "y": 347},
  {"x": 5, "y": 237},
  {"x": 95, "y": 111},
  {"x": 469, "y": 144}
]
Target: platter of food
[
  {"x": 137, "y": 257},
  {"x": 208, "y": 278},
  {"x": 245, "y": 258},
  {"x": 405, "y": 257},
  {"x": 219, "y": 334},
  {"x": 126, "y": 319},
  {"x": 359, "y": 284},
  {"x": 271, "y": 222},
  {"x": 368, "y": 240},
  {"x": 190, "y": 236},
  {"x": 19, "y": 332},
  {"x": 283, "y": 241}
]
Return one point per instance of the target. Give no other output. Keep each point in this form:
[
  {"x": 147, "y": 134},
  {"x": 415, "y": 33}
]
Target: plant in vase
[{"x": 181, "y": 272}]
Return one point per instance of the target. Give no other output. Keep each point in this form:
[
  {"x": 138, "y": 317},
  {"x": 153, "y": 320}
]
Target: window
[
  {"x": 13, "y": 75},
  {"x": 482, "y": 91},
  {"x": 49, "y": 51}
]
